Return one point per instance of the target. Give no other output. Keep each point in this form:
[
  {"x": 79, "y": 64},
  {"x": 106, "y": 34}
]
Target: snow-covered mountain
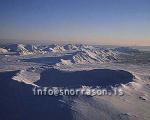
[
  {"x": 57, "y": 48},
  {"x": 19, "y": 49},
  {"x": 25, "y": 49},
  {"x": 2, "y": 50},
  {"x": 52, "y": 48},
  {"x": 79, "y": 54},
  {"x": 126, "y": 50},
  {"x": 70, "y": 47},
  {"x": 90, "y": 56},
  {"x": 16, "y": 47}
]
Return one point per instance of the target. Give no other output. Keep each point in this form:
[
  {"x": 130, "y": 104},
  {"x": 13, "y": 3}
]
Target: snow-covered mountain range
[
  {"x": 23, "y": 48},
  {"x": 80, "y": 54}
]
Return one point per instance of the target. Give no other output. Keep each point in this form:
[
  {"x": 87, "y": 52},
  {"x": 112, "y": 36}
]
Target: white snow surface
[{"x": 133, "y": 105}]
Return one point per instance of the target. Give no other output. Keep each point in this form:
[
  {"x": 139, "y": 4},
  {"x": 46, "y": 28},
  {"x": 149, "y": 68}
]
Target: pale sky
[{"x": 120, "y": 22}]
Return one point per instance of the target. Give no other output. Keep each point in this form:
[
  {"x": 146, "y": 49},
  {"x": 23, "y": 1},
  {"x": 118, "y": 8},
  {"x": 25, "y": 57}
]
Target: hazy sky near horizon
[{"x": 123, "y": 22}]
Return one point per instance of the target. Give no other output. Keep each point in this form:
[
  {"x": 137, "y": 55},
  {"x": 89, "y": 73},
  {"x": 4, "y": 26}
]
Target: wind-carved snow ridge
[{"x": 27, "y": 77}]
